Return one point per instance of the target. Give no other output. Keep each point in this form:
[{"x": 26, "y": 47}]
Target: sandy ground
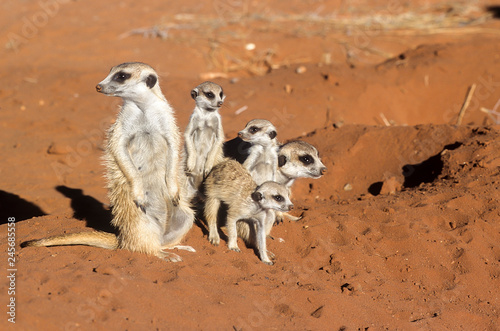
[{"x": 402, "y": 233}]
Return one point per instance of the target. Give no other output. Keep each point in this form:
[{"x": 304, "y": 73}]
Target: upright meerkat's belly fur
[
  {"x": 149, "y": 152},
  {"x": 204, "y": 140},
  {"x": 146, "y": 151}
]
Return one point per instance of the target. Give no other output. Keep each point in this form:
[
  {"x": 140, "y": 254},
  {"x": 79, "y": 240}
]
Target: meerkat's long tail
[{"x": 96, "y": 239}]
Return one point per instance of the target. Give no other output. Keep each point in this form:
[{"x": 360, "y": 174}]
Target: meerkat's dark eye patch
[
  {"x": 278, "y": 198},
  {"x": 221, "y": 95},
  {"x": 257, "y": 196},
  {"x": 209, "y": 95},
  {"x": 281, "y": 160},
  {"x": 272, "y": 134},
  {"x": 121, "y": 77},
  {"x": 151, "y": 81},
  {"x": 306, "y": 159},
  {"x": 194, "y": 93},
  {"x": 254, "y": 129}
]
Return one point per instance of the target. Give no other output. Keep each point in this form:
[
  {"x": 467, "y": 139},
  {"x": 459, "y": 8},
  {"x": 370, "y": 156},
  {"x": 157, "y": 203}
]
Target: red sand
[{"x": 402, "y": 232}]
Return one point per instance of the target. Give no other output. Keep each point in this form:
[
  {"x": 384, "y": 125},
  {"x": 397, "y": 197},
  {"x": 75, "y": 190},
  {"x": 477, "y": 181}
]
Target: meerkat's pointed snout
[
  {"x": 322, "y": 170},
  {"x": 220, "y": 103},
  {"x": 290, "y": 207},
  {"x": 98, "y": 88}
]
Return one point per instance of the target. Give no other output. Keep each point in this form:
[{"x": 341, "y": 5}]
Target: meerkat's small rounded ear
[
  {"x": 151, "y": 81},
  {"x": 257, "y": 196},
  {"x": 272, "y": 134},
  {"x": 281, "y": 160},
  {"x": 194, "y": 93}
]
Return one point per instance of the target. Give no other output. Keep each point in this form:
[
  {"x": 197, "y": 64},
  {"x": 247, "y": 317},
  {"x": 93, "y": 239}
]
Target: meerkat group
[{"x": 151, "y": 183}]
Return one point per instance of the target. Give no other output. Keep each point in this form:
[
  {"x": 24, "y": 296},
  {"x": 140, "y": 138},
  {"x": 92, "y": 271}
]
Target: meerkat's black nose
[
  {"x": 98, "y": 88},
  {"x": 240, "y": 134},
  {"x": 323, "y": 170},
  {"x": 290, "y": 207},
  {"x": 219, "y": 103}
]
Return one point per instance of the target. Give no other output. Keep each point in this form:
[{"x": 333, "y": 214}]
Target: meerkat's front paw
[
  {"x": 214, "y": 239},
  {"x": 141, "y": 206},
  {"x": 235, "y": 248},
  {"x": 173, "y": 193},
  {"x": 176, "y": 199},
  {"x": 140, "y": 198},
  {"x": 207, "y": 170},
  {"x": 268, "y": 262},
  {"x": 190, "y": 165},
  {"x": 279, "y": 218}
]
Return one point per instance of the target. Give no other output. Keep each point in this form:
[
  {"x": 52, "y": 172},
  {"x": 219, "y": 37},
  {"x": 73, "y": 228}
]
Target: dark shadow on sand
[{"x": 12, "y": 205}]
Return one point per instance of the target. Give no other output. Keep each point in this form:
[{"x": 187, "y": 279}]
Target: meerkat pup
[
  {"x": 204, "y": 137},
  {"x": 142, "y": 160},
  {"x": 230, "y": 183},
  {"x": 262, "y": 161},
  {"x": 297, "y": 159}
]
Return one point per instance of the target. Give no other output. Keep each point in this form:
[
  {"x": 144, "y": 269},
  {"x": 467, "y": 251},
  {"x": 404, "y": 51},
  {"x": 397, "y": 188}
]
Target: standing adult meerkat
[
  {"x": 142, "y": 160},
  {"x": 204, "y": 136},
  {"x": 262, "y": 161},
  {"x": 230, "y": 183}
]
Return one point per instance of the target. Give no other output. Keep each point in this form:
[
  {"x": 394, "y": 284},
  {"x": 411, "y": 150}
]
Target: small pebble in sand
[
  {"x": 250, "y": 46},
  {"x": 301, "y": 70}
]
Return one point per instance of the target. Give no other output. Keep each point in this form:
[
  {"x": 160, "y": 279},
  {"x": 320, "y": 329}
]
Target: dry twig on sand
[{"x": 468, "y": 98}]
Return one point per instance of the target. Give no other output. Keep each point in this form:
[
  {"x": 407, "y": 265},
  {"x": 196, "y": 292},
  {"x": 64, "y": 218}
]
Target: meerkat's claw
[
  {"x": 268, "y": 262},
  {"x": 191, "y": 163},
  {"x": 140, "y": 198},
  {"x": 176, "y": 199},
  {"x": 236, "y": 249},
  {"x": 141, "y": 206},
  {"x": 279, "y": 218},
  {"x": 271, "y": 254},
  {"x": 214, "y": 240}
]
